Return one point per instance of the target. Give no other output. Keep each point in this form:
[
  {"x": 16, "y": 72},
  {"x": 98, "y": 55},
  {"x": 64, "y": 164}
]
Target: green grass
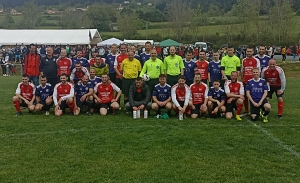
[{"x": 36, "y": 148}]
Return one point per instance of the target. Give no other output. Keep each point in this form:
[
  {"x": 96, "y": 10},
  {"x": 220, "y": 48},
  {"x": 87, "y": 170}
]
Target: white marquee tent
[
  {"x": 50, "y": 37},
  {"x": 109, "y": 42},
  {"x": 138, "y": 42}
]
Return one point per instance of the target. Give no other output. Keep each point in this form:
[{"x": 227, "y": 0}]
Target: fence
[{"x": 11, "y": 69}]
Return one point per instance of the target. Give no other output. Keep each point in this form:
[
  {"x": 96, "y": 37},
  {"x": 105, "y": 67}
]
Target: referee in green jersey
[
  {"x": 153, "y": 67},
  {"x": 230, "y": 63},
  {"x": 173, "y": 65}
]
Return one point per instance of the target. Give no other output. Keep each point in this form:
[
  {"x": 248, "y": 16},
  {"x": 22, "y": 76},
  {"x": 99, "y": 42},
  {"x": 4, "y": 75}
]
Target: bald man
[{"x": 173, "y": 66}]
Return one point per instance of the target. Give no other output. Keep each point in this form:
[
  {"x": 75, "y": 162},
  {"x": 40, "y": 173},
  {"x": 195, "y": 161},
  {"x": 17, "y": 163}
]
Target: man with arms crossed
[
  {"x": 275, "y": 76},
  {"x": 83, "y": 96},
  {"x": 234, "y": 91},
  {"x": 104, "y": 95},
  {"x": 161, "y": 96},
  {"x": 199, "y": 93},
  {"x": 43, "y": 96},
  {"x": 230, "y": 63},
  {"x": 25, "y": 95},
  {"x": 257, "y": 91},
  {"x": 63, "y": 96}
]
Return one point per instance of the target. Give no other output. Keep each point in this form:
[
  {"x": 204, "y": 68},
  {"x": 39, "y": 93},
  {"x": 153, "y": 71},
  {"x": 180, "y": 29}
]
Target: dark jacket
[{"x": 143, "y": 96}]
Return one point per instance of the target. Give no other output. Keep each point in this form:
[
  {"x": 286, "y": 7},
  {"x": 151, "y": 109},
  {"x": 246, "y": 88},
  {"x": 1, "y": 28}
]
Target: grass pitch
[{"x": 37, "y": 148}]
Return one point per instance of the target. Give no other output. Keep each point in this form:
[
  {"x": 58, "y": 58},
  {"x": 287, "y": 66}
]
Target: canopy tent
[
  {"x": 169, "y": 42},
  {"x": 50, "y": 37},
  {"x": 138, "y": 42},
  {"x": 109, "y": 42}
]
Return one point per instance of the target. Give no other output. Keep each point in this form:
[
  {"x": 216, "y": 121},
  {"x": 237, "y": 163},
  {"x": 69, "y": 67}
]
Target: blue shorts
[{"x": 17, "y": 56}]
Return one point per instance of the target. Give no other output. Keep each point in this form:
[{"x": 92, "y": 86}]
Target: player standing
[
  {"x": 189, "y": 67},
  {"x": 146, "y": 55},
  {"x": 199, "y": 93},
  {"x": 118, "y": 63},
  {"x": 257, "y": 91},
  {"x": 64, "y": 63},
  {"x": 93, "y": 80},
  {"x": 234, "y": 91},
  {"x": 63, "y": 96},
  {"x": 99, "y": 66},
  {"x": 230, "y": 63},
  {"x": 110, "y": 60},
  {"x": 43, "y": 96},
  {"x": 202, "y": 66},
  {"x": 214, "y": 69},
  {"x": 275, "y": 76},
  {"x": 81, "y": 59},
  {"x": 262, "y": 57},
  {"x": 25, "y": 95},
  {"x": 248, "y": 64}
]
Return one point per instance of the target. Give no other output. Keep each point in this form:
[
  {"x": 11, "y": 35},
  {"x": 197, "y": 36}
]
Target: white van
[{"x": 202, "y": 44}]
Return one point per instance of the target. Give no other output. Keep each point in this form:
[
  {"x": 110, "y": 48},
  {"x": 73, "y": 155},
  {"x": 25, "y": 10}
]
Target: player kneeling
[
  {"x": 63, "y": 96},
  {"x": 84, "y": 96},
  {"x": 216, "y": 100},
  {"x": 25, "y": 95},
  {"x": 257, "y": 91},
  {"x": 199, "y": 92},
  {"x": 161, "y": 96},
  {"x": 43, "y": 96},
  {"x": 234, "y": 91},
  {"x": 181, "y": 94},
  {"x": 104, "y": 95}
]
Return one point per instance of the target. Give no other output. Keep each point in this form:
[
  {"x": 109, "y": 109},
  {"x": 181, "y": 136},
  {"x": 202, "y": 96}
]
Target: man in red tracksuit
[{"x": 32, "y": 62}]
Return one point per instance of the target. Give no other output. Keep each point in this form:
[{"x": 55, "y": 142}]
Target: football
[{"x": 146, "y": 77}]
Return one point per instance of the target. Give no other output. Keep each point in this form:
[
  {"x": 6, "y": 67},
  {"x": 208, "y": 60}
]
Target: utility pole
[{"x": 146, "y": 30}]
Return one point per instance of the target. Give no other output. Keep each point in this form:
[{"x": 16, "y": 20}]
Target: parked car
[{"x": 277, "y": 50}]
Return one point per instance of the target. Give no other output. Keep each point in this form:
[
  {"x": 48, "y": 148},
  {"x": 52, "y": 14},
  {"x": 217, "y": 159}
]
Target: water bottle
[
  {"x": 134, "y": 115},
  {"x": 145, "y": 114},
  {"x": 138, "y": 114},
  {"x": 180, "y": 117}
]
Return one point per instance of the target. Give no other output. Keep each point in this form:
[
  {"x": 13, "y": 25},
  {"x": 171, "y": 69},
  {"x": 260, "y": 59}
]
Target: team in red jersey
[
  {"x": 275, "y": 77},
  {"x": 235, "y": 92},
  {"x": 181, "y": 94},
  {"x": 63, "y": 96},
  {"x": 104, "y": 95},
  {"x": 64, "y": 64},
  {"x": 118, "y": 63},
  {"x": 202, "y": 66},
  {"x": 248, "y": 64},
  {"x": 199, "y": 94},
  {"x": 25, "y": 95},
  {"x": 78, "y": 72}
]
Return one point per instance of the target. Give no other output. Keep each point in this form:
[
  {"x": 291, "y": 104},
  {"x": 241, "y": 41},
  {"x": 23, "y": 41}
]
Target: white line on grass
[{"x": 275, "y": 139}]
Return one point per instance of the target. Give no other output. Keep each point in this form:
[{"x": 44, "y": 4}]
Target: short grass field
[{"x": 36, "y": 148}]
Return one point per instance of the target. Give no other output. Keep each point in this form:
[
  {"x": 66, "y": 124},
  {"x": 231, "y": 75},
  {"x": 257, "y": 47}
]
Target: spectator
[{"x": 48, "y": 67}]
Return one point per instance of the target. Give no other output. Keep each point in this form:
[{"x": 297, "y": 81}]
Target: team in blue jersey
[
  {"x": 216, "y": 97},
  {"x": 83, "y": 94},
  {"x": 43, "y": 96}
]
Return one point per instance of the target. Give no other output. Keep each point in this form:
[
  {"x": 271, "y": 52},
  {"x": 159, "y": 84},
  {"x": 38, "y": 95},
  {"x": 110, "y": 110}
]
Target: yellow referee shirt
[{"x": 131, "y": 69}]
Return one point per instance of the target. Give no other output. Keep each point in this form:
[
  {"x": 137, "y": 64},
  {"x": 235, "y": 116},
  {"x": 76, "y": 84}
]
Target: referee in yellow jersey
[
  {"x": 173, "y": 66},
  {"x": 131, "y": 68},
  {"x": 153, "y": 67}
]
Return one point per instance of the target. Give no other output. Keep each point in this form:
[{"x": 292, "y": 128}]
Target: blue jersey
[
  {"x": 84, "y": 62},
  {"x": 137, "y": 57},
  {"x": 264, "y": 61},
  {"x": 214, "y": 70},
  {"x": 44, "y": 92},
  {"x": 144, "y": 57},
  {"x": 110, "y": 60},
  {"x": 94, "y": 81},
  {"x": 189, "y": 70},
  {"x": 162, "y": 93},
  {"x": 81, "y": 89},
  {"x": 217, "y": 95},
  {"x": 257, "y": 88}
]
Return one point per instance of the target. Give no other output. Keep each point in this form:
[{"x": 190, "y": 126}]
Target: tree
[
  {"x": 281, "y": 19},
  {"x": 178, "y": 14},
  {"x": 31, "y": 15},
  {"x": 8, "y": 21},
  {"x": 128, "y": 24}
]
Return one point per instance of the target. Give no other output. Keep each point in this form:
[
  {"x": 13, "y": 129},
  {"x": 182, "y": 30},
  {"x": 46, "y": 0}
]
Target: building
[{"x": 15, "y": 12}]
